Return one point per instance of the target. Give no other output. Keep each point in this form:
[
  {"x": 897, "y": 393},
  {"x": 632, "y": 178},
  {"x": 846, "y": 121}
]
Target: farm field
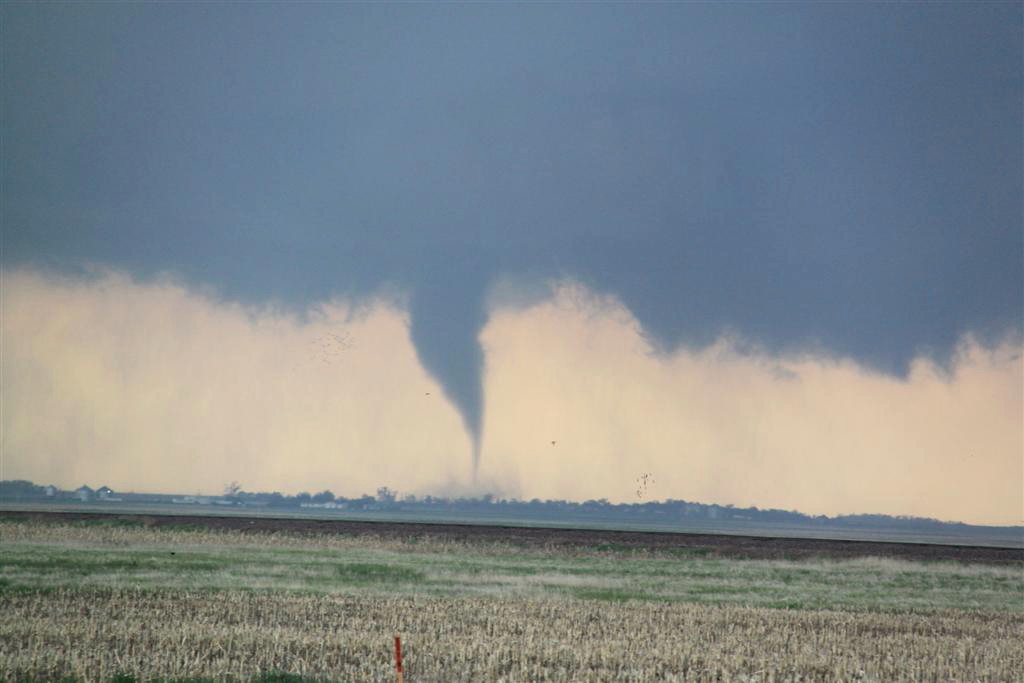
[
  {"x": 100, "y": 598},
  {"x": 963, "y": 536}
]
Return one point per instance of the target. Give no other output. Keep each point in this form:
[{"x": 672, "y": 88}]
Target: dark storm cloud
[{"x": 845, "y": 178}]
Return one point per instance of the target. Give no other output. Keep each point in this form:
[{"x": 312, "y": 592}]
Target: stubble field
[{"x": 95, "y": 600}]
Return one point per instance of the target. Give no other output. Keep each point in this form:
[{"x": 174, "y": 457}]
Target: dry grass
[
  {"x": 97, "y": 633},
  {"x": 94, "y": 601}
]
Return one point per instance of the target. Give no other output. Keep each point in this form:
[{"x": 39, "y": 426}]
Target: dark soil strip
[{"x": 683, "y": 544}]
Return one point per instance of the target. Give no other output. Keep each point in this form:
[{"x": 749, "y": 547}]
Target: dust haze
[{"x": 153, "y": 386}]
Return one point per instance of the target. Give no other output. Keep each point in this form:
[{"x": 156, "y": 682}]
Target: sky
[{"x": 772, "y": 254}]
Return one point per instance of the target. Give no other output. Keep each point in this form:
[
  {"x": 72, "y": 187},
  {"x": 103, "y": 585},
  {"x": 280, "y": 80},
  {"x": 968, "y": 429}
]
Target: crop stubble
[
  {"x": 97, "y": 633},
  {"x": 93, "y": 632}
]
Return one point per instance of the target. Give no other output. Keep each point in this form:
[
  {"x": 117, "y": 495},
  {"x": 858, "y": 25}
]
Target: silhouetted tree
[{"x": 323, "y": 497}]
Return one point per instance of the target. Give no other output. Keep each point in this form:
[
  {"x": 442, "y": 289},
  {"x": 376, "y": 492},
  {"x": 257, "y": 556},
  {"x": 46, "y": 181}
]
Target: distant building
[
  {"x": 84, "y": 494},
  {"x": 105, "y": 493},
  {"x": 50, "y": 490},
  {"x": 329, "y": 505},
  {"x": 193, "y": 500}
]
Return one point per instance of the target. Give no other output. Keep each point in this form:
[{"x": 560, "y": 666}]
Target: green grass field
[{"x": 129, "y": 575}]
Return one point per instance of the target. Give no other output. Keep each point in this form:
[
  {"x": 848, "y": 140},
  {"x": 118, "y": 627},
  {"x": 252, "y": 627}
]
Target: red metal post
[{"x": 398, "y": 657}]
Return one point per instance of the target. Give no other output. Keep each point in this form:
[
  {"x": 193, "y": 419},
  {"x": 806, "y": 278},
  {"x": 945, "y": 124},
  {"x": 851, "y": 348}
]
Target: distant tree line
[
  {"x": 19, "y": 489},
  {"x": 387, "y": 500}
]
